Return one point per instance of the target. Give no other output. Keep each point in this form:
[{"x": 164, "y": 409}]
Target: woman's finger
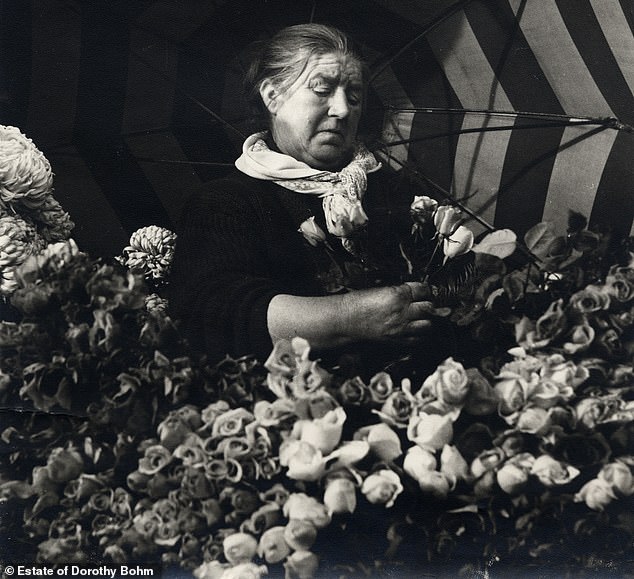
[
  {"x": 418, "y": 290},
  {"x": 420, "y": 310},
  {"x": 418, "y": 326}
]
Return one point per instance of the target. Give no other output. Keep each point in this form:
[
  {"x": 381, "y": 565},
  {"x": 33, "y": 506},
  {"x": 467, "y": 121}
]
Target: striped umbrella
[{"x": 518, "y": 109}]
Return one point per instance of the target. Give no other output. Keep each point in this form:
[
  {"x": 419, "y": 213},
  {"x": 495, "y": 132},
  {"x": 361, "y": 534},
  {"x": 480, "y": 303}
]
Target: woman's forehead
[{"x": 334, "y": 67}]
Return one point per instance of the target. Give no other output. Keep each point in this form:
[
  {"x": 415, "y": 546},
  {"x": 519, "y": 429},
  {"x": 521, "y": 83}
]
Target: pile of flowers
[{"x": 514, "y": 455}]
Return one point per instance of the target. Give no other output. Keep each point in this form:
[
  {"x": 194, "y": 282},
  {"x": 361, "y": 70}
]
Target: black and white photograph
[{"x": 317, "y": 289}]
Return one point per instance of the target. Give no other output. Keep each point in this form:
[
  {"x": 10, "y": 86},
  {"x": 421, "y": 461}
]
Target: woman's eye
[
  {"x": 354, "y": 99},
  {"x": 322, "y": 90}
]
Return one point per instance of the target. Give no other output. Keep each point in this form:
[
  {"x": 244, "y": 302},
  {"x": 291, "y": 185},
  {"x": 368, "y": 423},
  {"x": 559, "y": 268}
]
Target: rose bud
[
  {"x": 324, "y": 433},
  {"x": 304, "y": 461},
  {"x": 273, "y": 547},
  {"x": 173, "y": 431},
  {"x": 210, "y": 570},
  {"x": 590, "y": 300},
  {"x": 551, "y": 472},
  {"x": 340, "y": 496},
  {"x": 534, "y": 421},
  {"x": 382, "y": 487},
  {"x": 486, "y": 461},
  {"x": 449, "y": 382},
  {"x": 447, "y": 219},
  {"x": 597, "y": 494},
  {"x": 305, "y": 508},
  {"x": 300, "y": 535},
  {"x": 422, "y": 209},
  {"x": 431, "y": 431},
  {"x": 418, "y": 461},
  {"x": 64, "y": 464},
  {"x": 156, "y": 458},
  {"x": 383, "y": 441},
  {"x": 619, "y": 476},
  {"x": 312, "y": 232},
  {"x": 353, "y": 391},
  {"x": 434, "y": 483},
  {"x": 453, "y": 465},
  {"x": 301, "y": 565},
  {"x": 239, "y": 548},
  {"x": 380, "y": 387},
  {"x": 458, "y": 243},
  {"x": 511, "y": 478},
  {"x": 245, "y": 571}
]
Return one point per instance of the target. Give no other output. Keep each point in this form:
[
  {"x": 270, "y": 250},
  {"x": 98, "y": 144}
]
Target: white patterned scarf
[{"x": 341, "y": 191}]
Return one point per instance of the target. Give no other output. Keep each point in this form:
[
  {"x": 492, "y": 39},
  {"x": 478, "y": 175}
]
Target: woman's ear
[{"x": 270, "y": 96}]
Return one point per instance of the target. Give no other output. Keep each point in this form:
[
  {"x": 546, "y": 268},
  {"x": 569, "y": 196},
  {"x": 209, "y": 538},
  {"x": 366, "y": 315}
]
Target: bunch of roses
[
  {"x": 30, "y": 217},
  {"x": 596, "y": 320}
]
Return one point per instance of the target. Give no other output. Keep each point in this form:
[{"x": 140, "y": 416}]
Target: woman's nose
[{"x": 338, "y": 105}]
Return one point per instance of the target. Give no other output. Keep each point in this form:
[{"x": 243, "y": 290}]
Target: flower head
[{"x": 150, "y": 251}]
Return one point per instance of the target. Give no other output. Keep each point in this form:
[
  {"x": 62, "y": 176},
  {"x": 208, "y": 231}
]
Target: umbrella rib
[
  {"x": 611, "y": 122},
  {"x": 484, "y": 130}
]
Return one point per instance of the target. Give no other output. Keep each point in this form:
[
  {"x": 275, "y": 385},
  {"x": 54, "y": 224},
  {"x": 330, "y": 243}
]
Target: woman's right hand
[{"x": 393, "y": 313}]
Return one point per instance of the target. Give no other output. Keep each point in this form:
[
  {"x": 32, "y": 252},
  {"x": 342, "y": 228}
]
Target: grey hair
[{"x": 284, "y": 57}]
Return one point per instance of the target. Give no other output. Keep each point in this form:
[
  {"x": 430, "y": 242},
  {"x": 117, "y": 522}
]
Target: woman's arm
[{"x": 395, "y": 313}]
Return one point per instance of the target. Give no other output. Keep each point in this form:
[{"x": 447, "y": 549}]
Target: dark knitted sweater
[{"x": 238, "y": 246}]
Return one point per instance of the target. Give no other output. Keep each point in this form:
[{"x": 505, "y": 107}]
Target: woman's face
[{"x": 315, "y": 120}]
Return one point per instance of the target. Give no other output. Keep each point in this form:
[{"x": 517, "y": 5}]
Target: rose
[
  {"x": 486, "y": 461},
  {"x": 580, "y": 450},
  {"x": 458, "y": 243},
  {"x": 100, "y": 501},
  {"x": 277, "y": 494},
  {"x": 196, "y": 484},
  {"x": 272, "y": 546},
  {"x": 324, "y": 433},
  {"x": 597, "y": 494},
  {"x": 534, "y": 420},
  {"x": 211, "y": 510},
  {"x": 304, "y": 461},
  {"x": 482, "y": 398},
  {"x": 232, "y": 423},
  {"x": 301, "y": 565},
  {"x": 382, "y": 487},
  {"x": 449, "y": 382},
  {"x": 210, "y": 570},
  {"x": 511, "y": 478},
  {"x": 239, "y": 548},
  {"x": 353, "y": 391},
  {"x": 273, "y": 413},
  {"x": 312, "y": 232},
  {"x": 173, "y": 431},
  {"x": 302, "y": 507},
  {"x": 591, "y": 411},
  {"x": 551, "y": 472},
  {"x": 453, "y": 465},
  {"x": 609, "y": 344},
  {"x": 262, "y": 519},
  {"x": 430, "y": 431},
  {"x": 285, "y": 356},
  {"x": 550, "y": 324},
  {"x": 422, "y": 208},
  {"x": 434, "y": 483},
  {"x": 447, "y": 219},
  {"x": 418, "y": 462},
  {"x": 315, "y": 405},
  {"x": 81, "y": 488},
  {"x": 64, "y": 464},
  {"x": 619, "y": 283},
  {"x": 564, "y": 372},
  {"x": 191, "y": 452},
  {"x": 340, "y": 496},
  {"x": 580, "y": 338},
  {"x": 381, "y": 387},
  {"x": 309, "y": 377},
  {"x": 245, "y": 571},
  {"x": 589, "y": 300},
  {"x": 156, "y": 458},
  {"x": 619, "y": 476},
  {"x": 383, "y": 441},
  {"x": 397, "y": 409},
  {"x": 212, "y": 411},
  {"x": 512, "y": 390},
  {"x": 300, "y": 535},
  {"x": 235, "y": 447},
  {"x": 545, "y": 394}
]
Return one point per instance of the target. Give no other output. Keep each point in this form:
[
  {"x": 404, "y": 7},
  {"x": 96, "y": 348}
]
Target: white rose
[{"x": 431, "y": 431}]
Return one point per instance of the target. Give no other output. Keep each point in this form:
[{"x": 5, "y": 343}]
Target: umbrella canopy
[{"x": 136, "y": 104}]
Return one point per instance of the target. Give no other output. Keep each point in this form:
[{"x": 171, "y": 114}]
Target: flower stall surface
[{"x": 513, "y": 458}]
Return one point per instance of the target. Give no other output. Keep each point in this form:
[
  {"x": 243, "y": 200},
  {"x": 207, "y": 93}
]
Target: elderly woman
[{"x": 266, "y": 252}]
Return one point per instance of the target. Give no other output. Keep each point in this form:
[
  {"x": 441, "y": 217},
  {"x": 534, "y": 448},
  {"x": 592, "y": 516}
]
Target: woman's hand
[
  {"x": 394, "y": 313},
  {"x": 387, "y": 313}
]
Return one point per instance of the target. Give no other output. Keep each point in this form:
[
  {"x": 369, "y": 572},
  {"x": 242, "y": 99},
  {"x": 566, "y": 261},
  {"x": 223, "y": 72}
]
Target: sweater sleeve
[{"x": 220, "y": 285}]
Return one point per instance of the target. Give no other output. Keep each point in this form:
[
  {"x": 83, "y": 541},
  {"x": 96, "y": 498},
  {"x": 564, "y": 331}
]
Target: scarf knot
[{"x": 341, "y": 191}]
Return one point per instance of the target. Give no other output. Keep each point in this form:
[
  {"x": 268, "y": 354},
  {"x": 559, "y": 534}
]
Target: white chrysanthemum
[
  {"x": 18, "y": 240},
  {"x": 25, "y": 173},
  {"x": 150, "y": 251}
]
